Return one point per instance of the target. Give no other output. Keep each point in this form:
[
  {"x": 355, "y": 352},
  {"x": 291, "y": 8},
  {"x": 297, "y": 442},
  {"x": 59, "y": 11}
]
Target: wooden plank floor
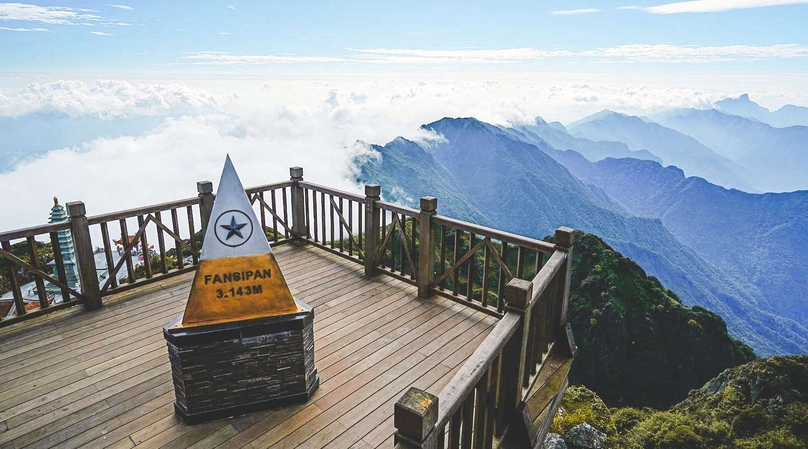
[{"x": 102, "y": 379}]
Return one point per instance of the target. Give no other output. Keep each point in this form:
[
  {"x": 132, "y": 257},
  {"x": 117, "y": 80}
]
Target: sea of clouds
[{"x": 269, "y": 126}]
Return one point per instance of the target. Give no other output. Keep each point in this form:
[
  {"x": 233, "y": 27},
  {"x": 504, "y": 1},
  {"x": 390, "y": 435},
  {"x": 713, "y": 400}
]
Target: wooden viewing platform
[{"x": 463, "y": 345}]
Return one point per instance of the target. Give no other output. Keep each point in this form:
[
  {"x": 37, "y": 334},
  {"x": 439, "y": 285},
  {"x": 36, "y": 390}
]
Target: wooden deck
[{"x": 102, "y": 379}]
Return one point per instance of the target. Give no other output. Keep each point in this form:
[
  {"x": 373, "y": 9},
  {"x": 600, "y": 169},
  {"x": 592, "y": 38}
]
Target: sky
[
  {"x": 155, "y": 94},
  {"x": 750, "y": 37}
]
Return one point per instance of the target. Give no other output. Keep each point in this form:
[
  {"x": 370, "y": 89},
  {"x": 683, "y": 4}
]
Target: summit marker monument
[
  {"x": 243, "y": 343},
  {"x": 238, "y": 277}
]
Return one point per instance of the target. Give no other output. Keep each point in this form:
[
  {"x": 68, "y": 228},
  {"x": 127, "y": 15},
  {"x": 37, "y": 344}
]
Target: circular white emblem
[{"x": 233, "y": 228}]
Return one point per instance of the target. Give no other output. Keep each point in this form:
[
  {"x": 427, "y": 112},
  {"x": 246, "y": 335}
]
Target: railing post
[
  {"x": 80, "y": 230},
  {"x": 299, "y": 230},
  {"x": 372, "y": 224},
  {"x": 426, "y": 256},
  {"x": 415, "y": 416},
  {"x": 564, "y": 240},
  {"x": 206, "y": 197},
  {"x": 518, "y": 293}
]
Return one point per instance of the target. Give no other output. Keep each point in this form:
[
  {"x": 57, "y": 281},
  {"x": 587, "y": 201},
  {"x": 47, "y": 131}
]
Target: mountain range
[
  {"x": 788, "y": 115},
  {"x": 510, "y": 178},
  {"x": 758, "y": 237},
  {"x": 556, "y": 135},
  {"x": 777, "y": 157},
  {"x": 673, "y": 147}
]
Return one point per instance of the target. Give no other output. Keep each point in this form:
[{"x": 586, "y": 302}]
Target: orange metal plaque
[{"x": 237, "y": 288}]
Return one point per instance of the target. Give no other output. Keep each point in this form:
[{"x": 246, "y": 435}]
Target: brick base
[{"x": 235, "y": 368}]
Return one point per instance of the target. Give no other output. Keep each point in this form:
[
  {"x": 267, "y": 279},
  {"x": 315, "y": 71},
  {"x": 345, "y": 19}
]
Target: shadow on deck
[{"x": 102, "y": 378}]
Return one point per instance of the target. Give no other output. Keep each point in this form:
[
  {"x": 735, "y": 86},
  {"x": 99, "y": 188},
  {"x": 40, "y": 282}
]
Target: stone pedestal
[{"x": 235, "y": 368}]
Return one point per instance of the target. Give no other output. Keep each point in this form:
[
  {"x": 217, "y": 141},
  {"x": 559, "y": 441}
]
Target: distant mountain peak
[
  {"x": 449, "y": 126},
  {"x": 604, "y": 114},
  {"x": 540, "y": 122},
  {"x": 468, "y": 120},
  {"x": 558, "y": 126},
  {"x": 788, "y": 115},
  {"x": 743, "y": 99}
]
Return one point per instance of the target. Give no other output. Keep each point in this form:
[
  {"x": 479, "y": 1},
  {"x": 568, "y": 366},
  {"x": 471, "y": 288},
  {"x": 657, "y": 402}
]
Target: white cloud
[
  {"x": 381, "y": 56},
  {"x": 701, "y": 6},
  {"x": 696, "y": 54},
  {"x": 27, "y": 30},
  {"x": 661, "y": 53},
  {"x": 623, "y": 53},
  {"x": 571, "y": 12},
  {"x": 384, "y": 55},
  {"x": 224, "y": 58},
  {"x": 101, "y": 33},
  {"x": 275, "y": 125},
  {"x": 231, "y": 7},
  {"x": 126, "y": 7},
  {"x": 223, "y": 33},
  {"x": 107, "y": 99},
  {"x": 55, "y": 15},
  {"x": 181, "y": 152}
]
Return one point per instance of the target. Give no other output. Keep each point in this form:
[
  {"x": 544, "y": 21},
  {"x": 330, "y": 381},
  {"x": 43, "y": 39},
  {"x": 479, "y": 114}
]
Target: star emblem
[{"x": 233, "y": 228}]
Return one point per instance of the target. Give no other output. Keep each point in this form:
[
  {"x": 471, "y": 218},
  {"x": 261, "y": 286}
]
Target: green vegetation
[
  {"x": 638, "y": 345},
  {"x": 581, "y": 405},
  {"x": 762, "y": 404},
  {"x": 642, "y": 356}
]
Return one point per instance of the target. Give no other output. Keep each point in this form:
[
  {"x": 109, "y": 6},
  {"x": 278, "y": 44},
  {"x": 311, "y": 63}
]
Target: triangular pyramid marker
[{"x": 238, "y": 277}]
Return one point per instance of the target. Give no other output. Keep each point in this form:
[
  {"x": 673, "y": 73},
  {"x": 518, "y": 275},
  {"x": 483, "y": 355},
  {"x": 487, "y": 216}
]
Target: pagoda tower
[{"x": 58, "y": 214}]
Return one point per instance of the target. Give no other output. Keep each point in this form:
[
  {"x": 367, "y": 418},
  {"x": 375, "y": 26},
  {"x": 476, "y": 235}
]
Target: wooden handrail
[
  {"x": 335, "y": 192},
  {"x": 451, "y": 398},
  {"x": 495, "y": 234},
  {"x": 268, "y": 187},
  {"x": 546, "y": 275},
  {"x": 145, "y": 210},
  {"x": 404, "y": 210},
  {"x": 495, "y": 394},
  {"x": 34, "y": 230}
]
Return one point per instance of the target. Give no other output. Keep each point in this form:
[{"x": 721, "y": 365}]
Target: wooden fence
[
  {"x": 16, "y": 266},
  {"x": 504, "y": 395},
  {"x": 507, "y": 392},
  {"x": 178, "y": 226}
]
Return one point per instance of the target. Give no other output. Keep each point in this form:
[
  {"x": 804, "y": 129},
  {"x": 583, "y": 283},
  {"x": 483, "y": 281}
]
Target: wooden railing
[
  {"x": 467, "y": 263},
  {"x": 18, "y": 267},
  {"x": 131, "y": 229},
  {"x": 274, "y": 210},
  {"x": 397, "y": 252},
  {"x": 137, "y": 246},
  {"x": 507, "y": 392},
  {"x": 475, "y": 263},
  {"x": 333, "y": 220}
]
